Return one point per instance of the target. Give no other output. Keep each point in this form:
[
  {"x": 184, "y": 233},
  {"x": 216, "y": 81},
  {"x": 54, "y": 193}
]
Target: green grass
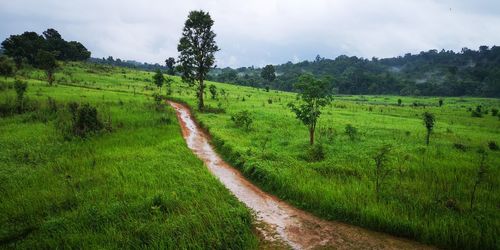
[
  {"x": 138, "y": 186},
  {"x": 425, "y": 197}
]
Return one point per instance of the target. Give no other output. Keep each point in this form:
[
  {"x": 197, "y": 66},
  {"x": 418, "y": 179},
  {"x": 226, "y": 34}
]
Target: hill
[{"x": 431, "y": 73}]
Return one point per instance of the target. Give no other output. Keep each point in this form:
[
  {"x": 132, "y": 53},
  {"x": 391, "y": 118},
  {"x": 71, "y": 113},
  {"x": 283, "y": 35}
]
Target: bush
[
  {"x": 494, "y": 111},
  {"x": 6, "y": 66},
  {"x": 80, "y": 121},
  {"x": 493, "y": 145},
  {"x": 242, "y": 119},
  {"x": 86, "y": 121},
  {"x": 460, "y": 146},
  {"x": 477, "y": 112},
  {"x": 315, "y": 153},
  {"x": 351, "y": 131}
]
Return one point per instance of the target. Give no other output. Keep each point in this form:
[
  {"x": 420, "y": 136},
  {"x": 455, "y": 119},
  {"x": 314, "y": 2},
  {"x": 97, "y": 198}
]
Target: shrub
[
  {"x": 6, "y": 66},
  {"x": 315, "y": 153},
  {"x": 399, "y": 102},
  {"x": 20, "y": 88},
  {"x": 86, "y": 121},
  {"x": 351, "y": 132},
  {"x": 477, "y": 112},
  {"x": 270, "y": 101},
  {"x": 213, "y": 91},
  {"x": 493, "y": 145},
  {"x": 460, "y": 146},
  {"x": 242, "y": 119},
  {"x": 494, "y": 111}
]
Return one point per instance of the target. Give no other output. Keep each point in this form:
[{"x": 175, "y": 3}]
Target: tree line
[
  {"x": 431, "y": 73},
  {"x": 25, "y": 48}
]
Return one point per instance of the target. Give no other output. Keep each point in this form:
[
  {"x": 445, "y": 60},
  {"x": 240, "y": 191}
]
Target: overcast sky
[{"x": 260, "y": 32}]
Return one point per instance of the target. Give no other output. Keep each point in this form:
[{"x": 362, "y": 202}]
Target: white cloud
[{"x": 262, "y": 31}]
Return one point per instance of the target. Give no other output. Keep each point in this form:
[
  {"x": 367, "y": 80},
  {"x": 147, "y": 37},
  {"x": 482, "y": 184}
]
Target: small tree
[
  {"x": 158, "y": 78},
  {"x": 47, "y": 61},
  {"x": 20, "y": 88},
  {"x": 399, "y": 102},
  {"x": 168, "y": 82},
  {"x": 429, "y": 121},
  {"x": 197, "y": 47},
  {"x": 213, "y": 91},
  {"x": 170, "y": 63},
  {"x": 440, "y": 102},
  {"x": 314, "y": 93},
  {"x": 381, "y": 159}
]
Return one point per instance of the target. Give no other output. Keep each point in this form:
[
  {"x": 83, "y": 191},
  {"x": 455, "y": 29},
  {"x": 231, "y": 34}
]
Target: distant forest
[
  {"x": 127, "y": 63},
  {"x": 431, "y": 73}
]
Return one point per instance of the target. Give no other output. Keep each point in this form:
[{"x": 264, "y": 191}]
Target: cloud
[{"x": 262, "y": 31}]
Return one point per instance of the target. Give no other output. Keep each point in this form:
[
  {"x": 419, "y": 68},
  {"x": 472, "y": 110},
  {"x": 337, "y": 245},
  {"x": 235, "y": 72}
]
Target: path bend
[{"x": 277, "y": 220}]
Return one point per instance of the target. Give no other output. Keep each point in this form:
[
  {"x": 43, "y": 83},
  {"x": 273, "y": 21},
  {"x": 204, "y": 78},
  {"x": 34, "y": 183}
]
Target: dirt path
[{"x": 278, "y": 221}]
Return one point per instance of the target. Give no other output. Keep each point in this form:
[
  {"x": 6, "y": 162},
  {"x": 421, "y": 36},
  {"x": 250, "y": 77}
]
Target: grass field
[
  {"x": 136, "y": 186},
  {"x": 426, "y": 195}
]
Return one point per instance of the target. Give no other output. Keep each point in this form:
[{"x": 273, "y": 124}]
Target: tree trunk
[
  {"x": 201, "y": 105},
  {"x": 311, "y": 136}
]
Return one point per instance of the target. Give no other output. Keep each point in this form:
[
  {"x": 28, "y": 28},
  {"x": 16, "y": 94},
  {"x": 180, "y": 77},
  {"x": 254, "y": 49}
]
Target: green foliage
[
  {"x": 47, "y": 61},
  {"x": 268, "y": 73},
  {"x": 106, "y": 192},
  {"x": 351, "y": 132},
  {"x": 315, "y": 153},
  {"x": 428, "y": 73},
  {"x": 213, "y": 91},
  {"x": 493, "y": 145},
  {"x": 158, "y": 78},
  {"x": 494, "y": 111},
  {"x": 6, "y": 66},
  {"x": 382, "y": 170},
  {"x": 20, "y": 87},
  {"x": 197, "y": 47},
  {"x": 242, "y": 119},
  {"x": 399, "y": 101},
  {"x": 478, "y": 112},
  {"x": 27, "y": 45},
  {"x": 314, "y": 93},
  {"x": 170, "y": 63},
  {"x": 429, "y": 120}
]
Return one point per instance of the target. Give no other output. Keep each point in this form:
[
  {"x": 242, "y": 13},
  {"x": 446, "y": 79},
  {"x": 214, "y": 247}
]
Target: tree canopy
[
  {"x": 197, "y": 47},
  {"x": 25, "y": 47}
]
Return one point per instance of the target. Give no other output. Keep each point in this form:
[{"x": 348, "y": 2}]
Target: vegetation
[
  {"x": 426, "y": 194},
  {"x": 197, "y": 47},
  {"x": 26, "y": 47},
  {"x": 429, "y": 73},
  {"x": 314, "y": 94},
  {"x": 134, "y": 184},
  {"x": 429, "y": 121}
]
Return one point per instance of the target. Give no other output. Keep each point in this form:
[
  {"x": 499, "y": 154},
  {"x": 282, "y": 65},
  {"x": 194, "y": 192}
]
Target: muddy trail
[{"x": 278, "y": 222}]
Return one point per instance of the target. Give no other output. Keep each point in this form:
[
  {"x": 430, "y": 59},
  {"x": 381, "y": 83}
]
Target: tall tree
[
  {"x": 170, "y": 63},
  {"x": 314, "y": 93},
  {"x": 47, "y": 61},
  {"x": 197, "y": 47},
  {"x": 268, "y": 73}
]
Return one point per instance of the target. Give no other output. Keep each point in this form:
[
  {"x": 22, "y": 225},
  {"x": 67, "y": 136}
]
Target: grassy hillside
[
  {"x": 425, "y": 196},
  {"x": 133, "y": 185}
]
